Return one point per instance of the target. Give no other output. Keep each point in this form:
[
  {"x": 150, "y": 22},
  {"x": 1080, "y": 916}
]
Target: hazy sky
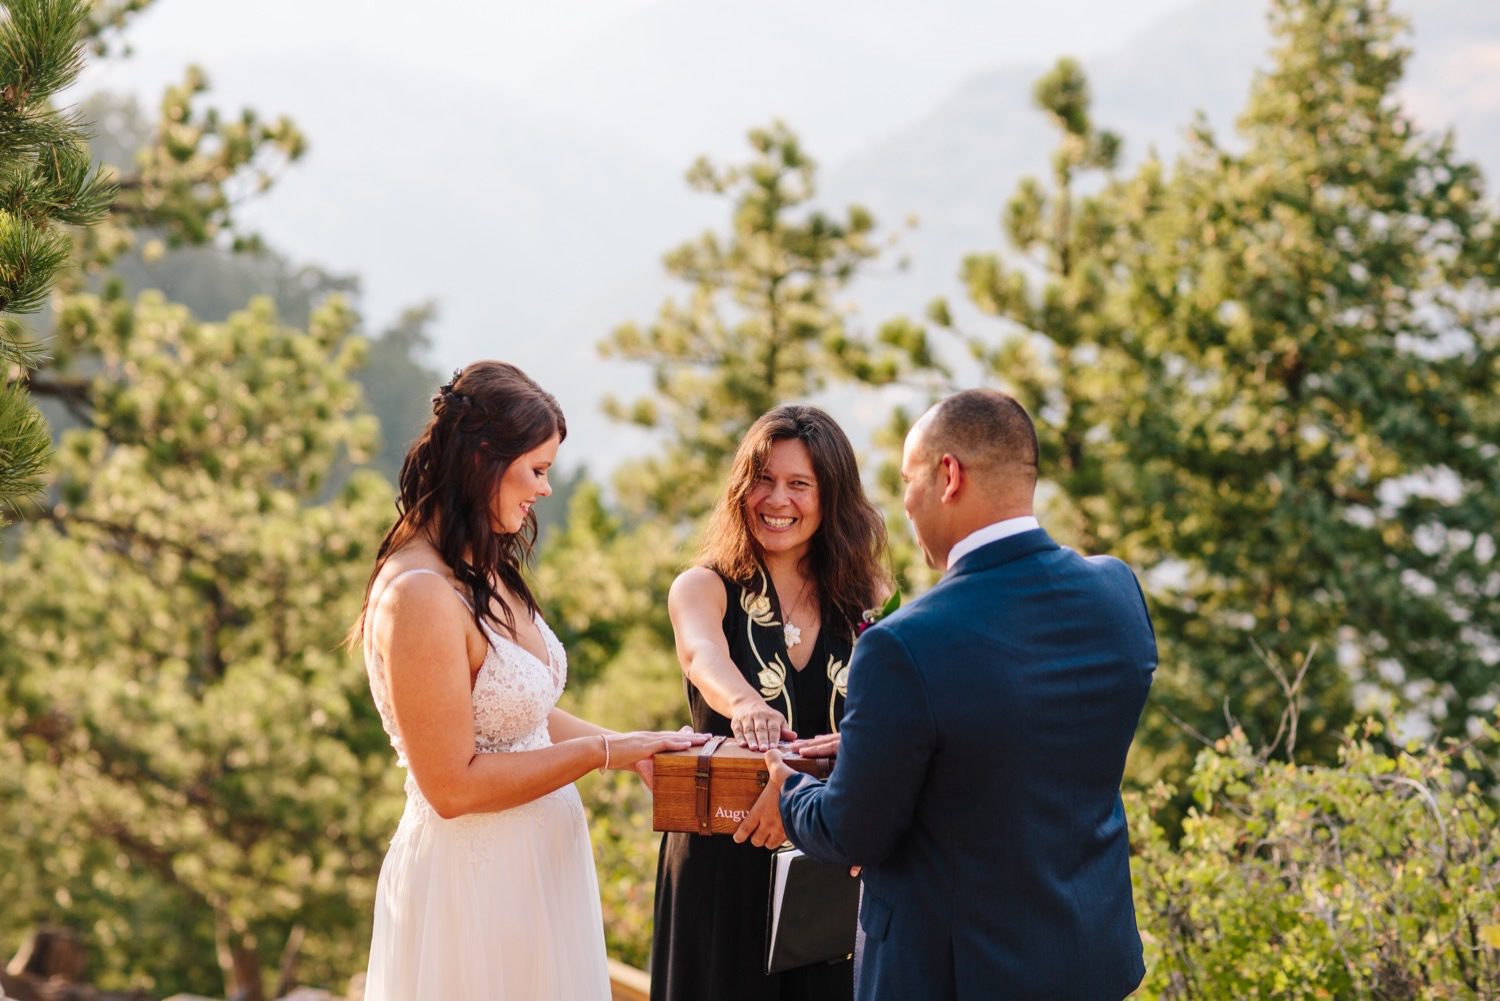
[
  {"x": 502, "y": 43},
  {"x": 683, "y": 76},
  {"x": 521, "y": 164},
  {"x": 490, "y": 43}
]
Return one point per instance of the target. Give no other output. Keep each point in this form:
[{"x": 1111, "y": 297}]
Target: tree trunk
[
  {"x": 287, "y": 979},
  {"x": 239, "y": 959}
]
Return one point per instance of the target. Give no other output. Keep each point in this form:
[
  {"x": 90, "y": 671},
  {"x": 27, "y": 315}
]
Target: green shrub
[{"x": 1378, "y": 877}]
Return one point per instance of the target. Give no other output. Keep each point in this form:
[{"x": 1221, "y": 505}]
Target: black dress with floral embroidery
[{"x": 712, "y": 894}]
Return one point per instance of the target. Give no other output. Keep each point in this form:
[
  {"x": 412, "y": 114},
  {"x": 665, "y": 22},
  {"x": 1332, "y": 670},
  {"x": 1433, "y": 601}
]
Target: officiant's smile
[{"x": 782, "y": 505}]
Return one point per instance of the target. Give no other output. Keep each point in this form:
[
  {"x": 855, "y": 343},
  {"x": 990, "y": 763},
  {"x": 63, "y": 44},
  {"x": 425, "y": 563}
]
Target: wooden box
[{"x": 710, "y": 789}]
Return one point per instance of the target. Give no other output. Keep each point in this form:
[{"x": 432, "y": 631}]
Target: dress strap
[
  {"x": 413, "y": 570},
  {"x": 434, "y": 573},
  {"x": 375, "y": 604}
]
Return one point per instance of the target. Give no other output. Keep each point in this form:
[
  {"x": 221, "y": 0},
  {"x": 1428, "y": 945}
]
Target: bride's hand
[
  {"x": 757, "y": 726},
  {"x": 646, "y": 767},
  {"x": 627, "y": 750}
]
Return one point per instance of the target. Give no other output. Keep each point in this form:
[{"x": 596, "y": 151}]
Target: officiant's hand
[
  {"x": 762, "y": 825},
  {"x": 757, "y": 726},
  {"x": 826, "y": 746}
]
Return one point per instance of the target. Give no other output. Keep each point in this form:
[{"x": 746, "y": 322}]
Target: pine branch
[
  {"x": 62, "y": 185},
  {"x": 65, "y": 391},
  {"x": 127, "y": 535},
  {"x": 25, "y": 447},
  {"x": 30, "y": 258},
  {"x": 74, "y": 395},
  {"x": 16, "y": 346},
  {"x": 41, "y": 49},
  {"x": 26, "y": 131},
  {"x": 108, "y": 20}
]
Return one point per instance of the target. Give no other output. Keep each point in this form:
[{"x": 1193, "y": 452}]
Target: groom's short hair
[{"x": 986, "y": 430}]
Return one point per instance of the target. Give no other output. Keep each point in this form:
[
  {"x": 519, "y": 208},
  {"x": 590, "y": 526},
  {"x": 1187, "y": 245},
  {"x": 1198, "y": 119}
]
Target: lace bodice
[{"x": 512, "y": 696}]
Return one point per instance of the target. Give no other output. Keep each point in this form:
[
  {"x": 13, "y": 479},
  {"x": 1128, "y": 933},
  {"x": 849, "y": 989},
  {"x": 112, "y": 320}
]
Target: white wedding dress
[{"x": 497, "y": 906}]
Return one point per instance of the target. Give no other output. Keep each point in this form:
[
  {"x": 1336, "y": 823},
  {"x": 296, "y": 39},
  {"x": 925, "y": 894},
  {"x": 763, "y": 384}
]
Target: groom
[{"x": 983, "y": 742}]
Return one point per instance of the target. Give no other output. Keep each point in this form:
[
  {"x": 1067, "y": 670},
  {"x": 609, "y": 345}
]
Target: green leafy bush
[{"x": 1377, "y": 877}]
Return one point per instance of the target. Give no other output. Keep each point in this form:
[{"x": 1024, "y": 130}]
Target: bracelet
[{"x": 605, "y": 740}]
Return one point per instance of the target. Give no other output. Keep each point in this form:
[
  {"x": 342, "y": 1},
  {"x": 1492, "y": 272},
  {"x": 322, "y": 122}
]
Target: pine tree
[
  {"x": 192, "y": 768},
  {"x": 1267, "y": 374},
  {"x": 398, "y": 387},
  {"x": 46, "y": 184},
  {"x": 760, "y": 325},
  {"x": 192, "y": 771}
]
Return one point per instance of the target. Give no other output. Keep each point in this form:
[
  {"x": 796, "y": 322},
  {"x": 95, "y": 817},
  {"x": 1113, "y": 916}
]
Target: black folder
[{"x": 813, "y": 913}]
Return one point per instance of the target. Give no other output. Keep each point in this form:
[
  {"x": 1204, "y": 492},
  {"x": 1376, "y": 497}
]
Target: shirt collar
[{"x": 991, "y": 533}]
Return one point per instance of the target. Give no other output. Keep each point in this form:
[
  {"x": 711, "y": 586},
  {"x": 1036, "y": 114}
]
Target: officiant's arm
[
  {"x": 887, "y": 737},
  {"x": 697, "y": 603},
  {"x": 421, "y": 634}
]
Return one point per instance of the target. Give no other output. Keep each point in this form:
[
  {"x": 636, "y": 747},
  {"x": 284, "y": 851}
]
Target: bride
[{"x": 488, "y": 890}]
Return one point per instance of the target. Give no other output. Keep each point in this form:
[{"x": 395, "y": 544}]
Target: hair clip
[{"x": 446, "y": 394}]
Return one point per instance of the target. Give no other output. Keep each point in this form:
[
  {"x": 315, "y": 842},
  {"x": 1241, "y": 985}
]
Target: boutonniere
[{"x": 874, "y": 615}]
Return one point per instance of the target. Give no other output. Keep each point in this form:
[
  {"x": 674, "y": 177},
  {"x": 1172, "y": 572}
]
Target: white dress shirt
[{"x": 991, "y": 533}]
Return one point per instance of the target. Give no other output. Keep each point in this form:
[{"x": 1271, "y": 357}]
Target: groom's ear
[{"x": 953, "y": 477}]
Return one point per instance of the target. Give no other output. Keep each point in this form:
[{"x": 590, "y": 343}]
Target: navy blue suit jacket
[{"x": 978, "y": 781}]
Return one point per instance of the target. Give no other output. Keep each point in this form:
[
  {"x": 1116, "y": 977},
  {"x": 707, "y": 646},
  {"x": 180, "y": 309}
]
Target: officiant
[{"x": 765, "y": 623}]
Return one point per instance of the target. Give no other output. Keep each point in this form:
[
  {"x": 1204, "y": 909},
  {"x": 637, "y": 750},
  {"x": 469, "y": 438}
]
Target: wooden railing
[
  {"x": 55, "y": 971},
  {"x": 626, "y": 983}
]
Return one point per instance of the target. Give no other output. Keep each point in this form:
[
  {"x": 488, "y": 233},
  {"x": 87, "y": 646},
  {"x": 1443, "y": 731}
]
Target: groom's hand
[
  {"x": 827, "y": 745},
  {"x": 778, "y": 770},
  {"x": 762, "y": 826}
]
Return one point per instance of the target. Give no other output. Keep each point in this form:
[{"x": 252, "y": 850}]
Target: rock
[{"x": 25, "y": 987}]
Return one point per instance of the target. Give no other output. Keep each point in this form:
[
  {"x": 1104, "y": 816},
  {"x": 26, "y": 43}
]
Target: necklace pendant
[{"x": 793, "y": 635}]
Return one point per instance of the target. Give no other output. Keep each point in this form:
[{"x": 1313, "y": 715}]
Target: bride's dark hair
[{"x": 487, "y": 417}]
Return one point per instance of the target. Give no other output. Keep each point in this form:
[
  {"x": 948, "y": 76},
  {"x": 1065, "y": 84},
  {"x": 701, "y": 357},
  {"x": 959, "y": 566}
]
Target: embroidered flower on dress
[
  {"x": 838, "y": 675},
  {"x": 758, "y": 607},
  {"x": 772, "y": 678},
  {"x": 838, "y": 688}
]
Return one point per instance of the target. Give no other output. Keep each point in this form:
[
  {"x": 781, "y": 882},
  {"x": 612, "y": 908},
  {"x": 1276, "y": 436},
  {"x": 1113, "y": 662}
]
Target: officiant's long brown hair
[
  {"x": 491, "y": 414},
  {"x": 845, "y": 557}
]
